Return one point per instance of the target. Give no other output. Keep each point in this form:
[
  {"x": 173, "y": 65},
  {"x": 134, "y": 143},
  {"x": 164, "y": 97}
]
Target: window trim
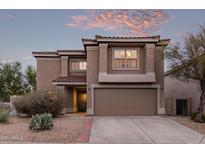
[
  {"x": 76, "y": 60},
  {"x": 126, "y": 68}
]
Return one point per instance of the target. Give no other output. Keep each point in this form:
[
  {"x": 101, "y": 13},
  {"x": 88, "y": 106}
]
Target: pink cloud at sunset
[{"x": 124, "y": 22}]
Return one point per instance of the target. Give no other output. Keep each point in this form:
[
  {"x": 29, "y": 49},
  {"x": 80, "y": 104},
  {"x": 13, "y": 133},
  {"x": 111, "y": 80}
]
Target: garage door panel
[{"x": 125, "y": 101}]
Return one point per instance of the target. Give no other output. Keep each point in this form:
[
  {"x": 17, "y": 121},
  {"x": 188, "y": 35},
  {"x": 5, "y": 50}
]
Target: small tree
[
  {"x": 30, "y": 75},
  {"x": 14, "y": 82},
  {"x": 11, "y": 80},
  {"x": 188, "y": 63}
]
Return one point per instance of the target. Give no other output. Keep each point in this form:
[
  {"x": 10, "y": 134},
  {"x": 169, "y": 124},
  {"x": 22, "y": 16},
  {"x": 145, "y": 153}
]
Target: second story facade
[
  {"x": 119, "y": 75},
  {"x": 56, "y": 66}
]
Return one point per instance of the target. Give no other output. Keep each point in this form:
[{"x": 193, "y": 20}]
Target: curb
[{"x": 85, "y": 135}]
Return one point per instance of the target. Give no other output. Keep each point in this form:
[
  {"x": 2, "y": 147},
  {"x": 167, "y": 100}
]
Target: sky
[{"x": 24, "y": 31}]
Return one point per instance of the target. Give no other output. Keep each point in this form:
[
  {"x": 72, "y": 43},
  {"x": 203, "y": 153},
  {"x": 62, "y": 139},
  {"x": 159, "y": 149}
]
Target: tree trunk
[{"x": 202, "y": 97}]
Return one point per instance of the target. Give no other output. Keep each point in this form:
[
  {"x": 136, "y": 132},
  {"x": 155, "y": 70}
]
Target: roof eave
[
  {"x": 70, "y": 53},
  {"x": 163, "y": 42},
  {"x": 88, "y": 42},
  {"x": 38, "y": 54},
  {"x": 132, "y": 40},
  {"x": 69, "y": 83}
]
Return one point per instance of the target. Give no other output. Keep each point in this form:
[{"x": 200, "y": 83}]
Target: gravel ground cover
[
  {"x": 186, "y": 121},
  {"x": 67, "y": 129}
]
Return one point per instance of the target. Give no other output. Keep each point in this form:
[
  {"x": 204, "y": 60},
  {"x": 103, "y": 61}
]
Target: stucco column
[
  {"x": 92, "y": 73},
  {"x": 159, "y": 70},
  {"x": 61, "y": 94},
  {"x": 64, "y": 66},
  {"x": 150, "y": 62},
  {"x": 103, "y": 58}
]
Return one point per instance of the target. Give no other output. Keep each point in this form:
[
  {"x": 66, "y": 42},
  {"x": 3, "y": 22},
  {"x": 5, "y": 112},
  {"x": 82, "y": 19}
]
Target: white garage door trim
[{"x": 96, "y": 86}]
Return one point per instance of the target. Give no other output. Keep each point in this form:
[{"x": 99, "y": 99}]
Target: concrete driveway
[{"x": 141, "y": 129}]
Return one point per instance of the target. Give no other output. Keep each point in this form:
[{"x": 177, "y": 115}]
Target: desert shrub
[
  {"x": 194, "y": 115},
  {"x": 39, "y": 102},
  {"x": 41, "y": 122},
  {"x": 4, "y": 106},
  {"x": 4, "y": 116}
]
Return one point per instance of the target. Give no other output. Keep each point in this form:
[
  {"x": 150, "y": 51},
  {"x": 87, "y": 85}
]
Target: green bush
[
  {"x": 4, "y": 116},
  {"x": 39, "y": 102},
  {"x": 41, "y": 122},
  {"x": 194, "y": 115}
]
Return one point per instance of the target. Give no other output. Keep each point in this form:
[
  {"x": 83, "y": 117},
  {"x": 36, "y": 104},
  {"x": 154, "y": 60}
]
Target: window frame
[
  {"x": 126, "y": 68},
  {"x": 77, "y": 60}
]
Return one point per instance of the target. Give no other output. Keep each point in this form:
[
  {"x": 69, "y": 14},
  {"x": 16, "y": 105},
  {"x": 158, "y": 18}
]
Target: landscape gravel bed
[
  {"x": 67, "y": 129},
  {"x": 186, "y": 121}
]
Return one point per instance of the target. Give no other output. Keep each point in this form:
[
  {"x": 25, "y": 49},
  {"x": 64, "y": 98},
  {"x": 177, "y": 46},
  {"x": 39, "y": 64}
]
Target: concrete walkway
[{"x": 141, "y": 129}]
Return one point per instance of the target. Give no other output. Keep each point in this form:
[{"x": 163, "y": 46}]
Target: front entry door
[{"x": 82, "y": 101}]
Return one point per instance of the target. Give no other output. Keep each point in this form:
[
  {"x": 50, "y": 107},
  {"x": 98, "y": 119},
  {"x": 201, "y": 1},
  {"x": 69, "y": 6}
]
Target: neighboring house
[
  {"x": 112, "y": 76},
  {"x": 181, "y": 98}
]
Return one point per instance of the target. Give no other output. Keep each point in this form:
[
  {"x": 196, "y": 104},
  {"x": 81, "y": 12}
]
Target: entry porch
[{"x": 73, "y": 89}]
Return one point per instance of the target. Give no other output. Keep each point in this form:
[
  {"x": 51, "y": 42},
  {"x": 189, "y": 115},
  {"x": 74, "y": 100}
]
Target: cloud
[
  {"x": 6, "y": 17},
  {"x": 125, "y": 22}
]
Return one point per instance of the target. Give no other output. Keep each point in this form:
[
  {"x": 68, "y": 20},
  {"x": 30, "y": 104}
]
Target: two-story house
[{"x": 111, "y": 76}]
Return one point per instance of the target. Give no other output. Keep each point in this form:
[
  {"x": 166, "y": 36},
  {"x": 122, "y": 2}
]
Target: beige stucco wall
[
  {"x": 150, "y": 57},
  {"x": 182, "y": 90},
  {"x": 47, "y": 70},
  {"x": 50, "y": 68},
  {"x": 64, "y": 66},
  {"x": 92, "y": 73},
  {"x": 159, "y": 71},
  {"x": 103, "y": 57}
]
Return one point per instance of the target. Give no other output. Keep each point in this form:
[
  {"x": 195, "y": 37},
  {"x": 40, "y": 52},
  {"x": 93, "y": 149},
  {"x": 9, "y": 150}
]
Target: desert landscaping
[{"x": 67, "y": 129}]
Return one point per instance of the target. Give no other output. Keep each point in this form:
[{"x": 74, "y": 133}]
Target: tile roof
[
  {"x": 58, "y": 52},
  {"x": 119, "y": 37},
  {"x": 74, "y": 51},
  {"x": 71, "y": 78},
  {"x": 88, "y": 39},
  {"x": 44, "y": 52},
  {"x": 112, "y": 37},
  {"x": 166, "y": 40}
]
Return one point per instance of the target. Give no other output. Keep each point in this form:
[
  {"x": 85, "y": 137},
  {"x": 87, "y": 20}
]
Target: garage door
[{"x": 125, "y": 101}]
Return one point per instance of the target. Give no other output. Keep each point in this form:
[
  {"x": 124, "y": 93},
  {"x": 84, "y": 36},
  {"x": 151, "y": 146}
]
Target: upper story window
[
  {"x": 78, "y": 65},
  {"x": 125, "y": 59}
]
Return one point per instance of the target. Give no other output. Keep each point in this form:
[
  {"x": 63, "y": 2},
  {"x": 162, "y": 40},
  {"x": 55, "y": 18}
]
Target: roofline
[
  {"x": 108, "y": 39},
  {"x": 163, "y": 42},
  {"x": 45, "y": 54},
  {"x": 70, "y": 53},
  {"x": 86, "y": 41},
  {"x": 100, "y": 38},
  {"x": 69, "y": 83},
  {"x": 118, "y": 37},
  {"x": 97, "y": 40},
  {"x": 58, "y": 53},
  {"x": 154, "y": 40}
]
